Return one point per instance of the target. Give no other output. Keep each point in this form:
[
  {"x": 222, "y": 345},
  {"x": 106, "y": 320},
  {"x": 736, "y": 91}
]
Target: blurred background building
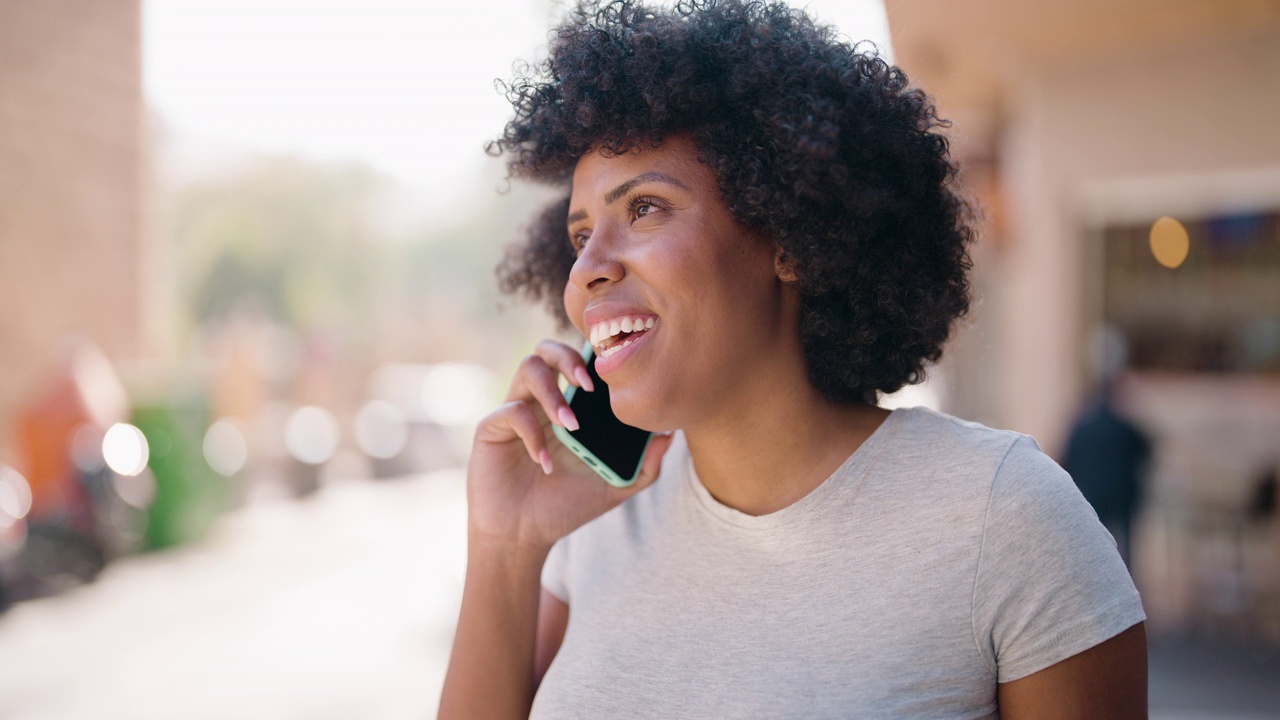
[
  {"x": 247, "y": 315},
  {"x": 1078, "y": 126},
  {"x": 73, "y": 188}
]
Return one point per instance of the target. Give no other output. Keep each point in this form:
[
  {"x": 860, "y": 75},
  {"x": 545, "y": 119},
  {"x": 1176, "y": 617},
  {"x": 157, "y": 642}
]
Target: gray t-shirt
[{"x": 941, "y": 558}]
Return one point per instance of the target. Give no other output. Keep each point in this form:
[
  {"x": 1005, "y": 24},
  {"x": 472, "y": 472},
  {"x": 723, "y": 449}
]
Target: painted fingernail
[
  {"x": 584, "y": 380},
  {"x": 544, "y": 459},
  {"x": 567, "y": 418}
]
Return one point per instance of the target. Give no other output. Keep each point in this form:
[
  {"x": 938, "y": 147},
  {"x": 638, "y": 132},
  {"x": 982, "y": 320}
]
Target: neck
[{"x": 775, "y": 443}]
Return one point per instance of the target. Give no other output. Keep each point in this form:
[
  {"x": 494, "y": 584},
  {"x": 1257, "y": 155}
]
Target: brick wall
[{"x": 71, "y": 185}]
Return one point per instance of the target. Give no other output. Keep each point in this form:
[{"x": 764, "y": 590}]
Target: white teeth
[
  {"x": 602, "y": 331},
  {"x": 614, "y": 348}
]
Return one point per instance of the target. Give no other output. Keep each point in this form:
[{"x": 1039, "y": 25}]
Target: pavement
[
  {"x": 1213, "y": 679},
  {"x": 342, "y": 605}
]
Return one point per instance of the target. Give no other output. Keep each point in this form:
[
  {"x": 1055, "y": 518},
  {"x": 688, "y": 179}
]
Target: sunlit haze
[{"x": 403, "y": 85}]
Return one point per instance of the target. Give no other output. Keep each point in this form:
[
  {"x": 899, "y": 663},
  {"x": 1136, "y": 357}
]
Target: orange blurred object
[
  {"x": 44, "y": 429},
  {"x": 84, "y": 390}
]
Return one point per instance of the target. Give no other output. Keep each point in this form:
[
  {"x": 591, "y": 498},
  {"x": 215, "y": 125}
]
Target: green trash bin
[{"x": 189, "y": 494}]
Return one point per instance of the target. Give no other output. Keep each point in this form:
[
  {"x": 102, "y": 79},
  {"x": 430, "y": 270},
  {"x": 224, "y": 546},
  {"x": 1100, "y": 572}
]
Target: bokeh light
[
  {"x": 15, "y": 496},
  {"x": 86, "y": 448},
  {"x": 1169, "y": 242},
  {"x": 311, "y": 435},
  {"x": 380, "y": 429},
  {"x": 138, "y": 490},
  {"x": 457, "y": 393},
  {"x": 225, "y": 448},
  {"x": 125, "y": 449}
]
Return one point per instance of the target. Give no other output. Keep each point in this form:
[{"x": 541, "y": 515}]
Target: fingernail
[
  {"x": 545, "y": 460},
  {"x": 584, "y": 380},
  {"x": 567, "y": 418}
]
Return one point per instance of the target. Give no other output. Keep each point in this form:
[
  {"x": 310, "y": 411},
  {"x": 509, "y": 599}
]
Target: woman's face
[{"x": 682, "y": 303}]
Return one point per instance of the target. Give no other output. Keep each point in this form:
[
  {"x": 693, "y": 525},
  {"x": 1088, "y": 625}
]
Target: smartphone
[{"x": 610, "y": 447}]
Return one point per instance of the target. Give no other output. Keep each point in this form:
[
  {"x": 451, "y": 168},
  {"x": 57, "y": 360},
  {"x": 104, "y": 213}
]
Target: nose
[{"x": 597, "y": 265}]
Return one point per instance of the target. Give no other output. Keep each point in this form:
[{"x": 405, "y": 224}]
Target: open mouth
[{"x": 611, "y": 336}]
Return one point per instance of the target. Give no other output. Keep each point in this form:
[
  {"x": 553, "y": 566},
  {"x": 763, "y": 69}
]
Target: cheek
[
  {"x": 574, "y": 304},
  {"x": 744, "y": 273}
]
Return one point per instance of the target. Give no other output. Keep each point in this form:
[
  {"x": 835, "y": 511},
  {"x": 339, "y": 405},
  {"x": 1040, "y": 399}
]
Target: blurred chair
[
  {"x": 1231, "y": 530},
  {"x": 1262, "y": 558}
]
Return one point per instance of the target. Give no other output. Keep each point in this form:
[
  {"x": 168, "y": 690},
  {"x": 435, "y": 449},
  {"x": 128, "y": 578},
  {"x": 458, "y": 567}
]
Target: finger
[
  {"x": 537, "y": 383},
  {"x": 517, "y": 420},
  {"x": 649, "y": 471},
  {"x": 567, "y": 361}
]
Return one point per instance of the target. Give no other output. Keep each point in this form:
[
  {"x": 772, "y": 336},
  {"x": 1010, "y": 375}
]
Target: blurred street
[
  {"x": 342, "y": 606},
  {"x": 249, "y": 247},
  {"x": 1213, "y": 680}
]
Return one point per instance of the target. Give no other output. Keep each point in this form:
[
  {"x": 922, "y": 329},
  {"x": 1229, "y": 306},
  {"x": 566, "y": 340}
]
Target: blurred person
[
  {"x": 778, "y": 210},
  {"x": 1262, "y": 499},
  {"x": 1107, "y": 455},
  {"x": 67, "y": 536}
]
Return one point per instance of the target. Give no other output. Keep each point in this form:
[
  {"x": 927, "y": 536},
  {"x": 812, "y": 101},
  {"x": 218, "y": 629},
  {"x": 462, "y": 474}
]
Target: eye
[
  {"x": 578, "y": 241},
  {"x": 642, "y": 207}
]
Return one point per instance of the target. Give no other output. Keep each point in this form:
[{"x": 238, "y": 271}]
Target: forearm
[{"x": 491, "y": 669}]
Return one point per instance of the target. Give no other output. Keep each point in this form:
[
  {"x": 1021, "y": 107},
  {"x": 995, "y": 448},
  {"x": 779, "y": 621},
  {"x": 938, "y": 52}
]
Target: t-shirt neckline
[{"x": 848, "y": 476}]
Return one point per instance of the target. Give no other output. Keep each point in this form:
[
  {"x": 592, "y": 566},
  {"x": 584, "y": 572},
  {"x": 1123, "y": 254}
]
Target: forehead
[{"x": 596, "y": 173}]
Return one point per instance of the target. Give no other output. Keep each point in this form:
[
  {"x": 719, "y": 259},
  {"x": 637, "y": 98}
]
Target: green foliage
[
  {"x": 304, "y": 244},
  {"x": 291, "y": 238}
]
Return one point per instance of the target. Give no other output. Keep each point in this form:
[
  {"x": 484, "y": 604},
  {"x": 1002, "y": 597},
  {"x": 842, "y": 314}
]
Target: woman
[{"x": 779, "y": 206}]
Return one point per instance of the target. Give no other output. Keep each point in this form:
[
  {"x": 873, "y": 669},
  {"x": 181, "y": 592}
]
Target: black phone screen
[{"x": 613, "y": 442}]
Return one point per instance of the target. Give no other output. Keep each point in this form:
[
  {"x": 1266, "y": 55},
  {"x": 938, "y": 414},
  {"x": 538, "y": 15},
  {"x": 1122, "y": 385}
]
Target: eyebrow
[{"x": 626, "y": 187}]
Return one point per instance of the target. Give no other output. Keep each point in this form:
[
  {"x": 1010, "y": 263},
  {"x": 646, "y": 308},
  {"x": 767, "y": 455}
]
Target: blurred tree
[
  {"x": 291, "y": 237},
  {"x": 307, "y": 245}
]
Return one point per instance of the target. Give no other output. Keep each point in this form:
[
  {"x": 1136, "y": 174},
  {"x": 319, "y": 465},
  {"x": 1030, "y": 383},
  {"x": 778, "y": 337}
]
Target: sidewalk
[
  {"x": 1218, "y": 680},
  {"x": 338, "y": 606}
]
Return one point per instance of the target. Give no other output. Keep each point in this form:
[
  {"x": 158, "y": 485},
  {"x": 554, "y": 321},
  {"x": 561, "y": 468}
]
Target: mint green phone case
[{"x": 586, "y": 455}]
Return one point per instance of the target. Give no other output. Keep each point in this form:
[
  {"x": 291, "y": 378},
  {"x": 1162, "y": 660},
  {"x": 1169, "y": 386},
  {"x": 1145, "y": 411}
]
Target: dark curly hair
[{"x": 818, "y": 144}]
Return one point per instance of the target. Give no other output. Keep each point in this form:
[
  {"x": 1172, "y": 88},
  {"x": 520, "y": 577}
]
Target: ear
[{"x": 784, "y": 266}]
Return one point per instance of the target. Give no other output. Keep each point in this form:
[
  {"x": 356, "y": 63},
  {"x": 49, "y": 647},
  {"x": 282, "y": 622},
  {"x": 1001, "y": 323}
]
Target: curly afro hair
[{"x": 818, "y": 144}]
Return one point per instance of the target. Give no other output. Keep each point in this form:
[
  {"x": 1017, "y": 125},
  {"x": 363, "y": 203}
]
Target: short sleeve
[
  {"x": 554, "y": 570},
  {"x": 1050, "y": 583}
]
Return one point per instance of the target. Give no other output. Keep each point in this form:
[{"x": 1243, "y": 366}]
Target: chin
[{"x": 643, "y": 413}]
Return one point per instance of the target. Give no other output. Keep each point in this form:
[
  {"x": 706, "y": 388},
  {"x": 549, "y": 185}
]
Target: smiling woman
[
  {"x": 761, "y": 236},
  {"x": 653, "y": 239}
]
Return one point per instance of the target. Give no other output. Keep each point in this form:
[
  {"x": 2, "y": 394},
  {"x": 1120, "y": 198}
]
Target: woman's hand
[{"x": 524, "y": 486}]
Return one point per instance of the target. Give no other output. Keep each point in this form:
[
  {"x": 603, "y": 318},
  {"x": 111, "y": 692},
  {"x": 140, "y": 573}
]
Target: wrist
[{"x": 505, "y": 551}]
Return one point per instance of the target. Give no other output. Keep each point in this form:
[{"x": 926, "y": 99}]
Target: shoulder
[
  {"x": 999, "y": 479},
  {"x": 938, "y": 443},
  {"x": 1021, "y": 480},
  {"x": 1030, "y": 484},
  {"x": 1049, "y": 582},
  {"x": 931, "y": 427}
]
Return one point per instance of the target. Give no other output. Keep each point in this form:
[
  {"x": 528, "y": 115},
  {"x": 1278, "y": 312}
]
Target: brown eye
[{"x": 641, "y": 207}]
